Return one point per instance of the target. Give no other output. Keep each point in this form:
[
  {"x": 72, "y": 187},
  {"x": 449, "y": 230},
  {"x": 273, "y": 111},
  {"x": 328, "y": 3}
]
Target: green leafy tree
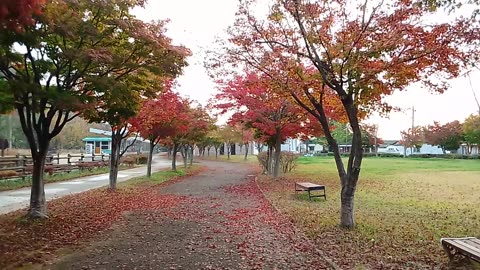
[
  {"x": 214, "y": 140},
  {"x": 471, "y": 129},
  {"x": 230, "y": 136},
  {"x": 200, "y": 125},
  {"x": 61, "y": 67},
  {"x": 71, "y": 135},
  {"x": 342, "y": 133}
]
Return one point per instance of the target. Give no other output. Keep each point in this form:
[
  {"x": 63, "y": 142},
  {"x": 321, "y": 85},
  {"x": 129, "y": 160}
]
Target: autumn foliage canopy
[
  {"x": 256, "y": 105},
  {"x": 16, "y": 14},
  {"x": 360, "y": 51}
]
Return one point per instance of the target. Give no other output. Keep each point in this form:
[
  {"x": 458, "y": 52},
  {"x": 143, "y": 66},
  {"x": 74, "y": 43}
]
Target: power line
[{"x": 473, "y": 91}]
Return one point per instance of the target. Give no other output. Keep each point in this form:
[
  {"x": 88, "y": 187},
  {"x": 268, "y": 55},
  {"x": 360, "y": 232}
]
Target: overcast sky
[{"x": 195, "y": 24}]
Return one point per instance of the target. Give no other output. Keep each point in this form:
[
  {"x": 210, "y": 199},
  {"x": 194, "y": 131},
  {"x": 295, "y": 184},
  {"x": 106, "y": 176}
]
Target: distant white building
[
  {"x": 393, "y": 147},
  {"x": 298, "y": 146},
  {"x": 295, "y": 145},
  {"x": 468, "y": 149}
]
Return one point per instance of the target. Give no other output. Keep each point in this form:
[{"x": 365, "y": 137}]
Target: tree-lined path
[
  {"x": 17, "y": 199},
  {"x": 220, "y": 221}
]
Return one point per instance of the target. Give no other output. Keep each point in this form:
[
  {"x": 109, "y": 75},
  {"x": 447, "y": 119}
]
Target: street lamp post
[{"x": 413, "y": 127}]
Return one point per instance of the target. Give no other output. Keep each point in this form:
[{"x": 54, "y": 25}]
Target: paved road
[{"x": 18, "y": 199}]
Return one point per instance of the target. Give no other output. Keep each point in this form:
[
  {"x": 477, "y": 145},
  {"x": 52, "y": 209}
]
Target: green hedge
[{"x": 390, "y": 155}]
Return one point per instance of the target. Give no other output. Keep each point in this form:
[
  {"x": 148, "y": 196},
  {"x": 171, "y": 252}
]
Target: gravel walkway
[{"x": 221, "y": 222}]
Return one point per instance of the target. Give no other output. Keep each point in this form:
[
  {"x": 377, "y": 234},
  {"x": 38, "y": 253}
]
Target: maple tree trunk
[
  {"x": 259, "y": 147},
  {"x": 38, "y": 206},
  {"x": 348, "y": 174},
  {"x": 114, "y": 160},
  {"x": 150, "y": 156},
  {"x": 347, "y": 217},
  {"x": 228, "y": 150},
  {"x": 350, "y": 179},
  {"x": 278, "y": 151},
  {"x": 174, "y": 157},
  {"x": 270, "y": 160},
  {"x": 191, "y": 155},
  {"x": 184, "y": 153},
  {"x": 246, "y": 152}
]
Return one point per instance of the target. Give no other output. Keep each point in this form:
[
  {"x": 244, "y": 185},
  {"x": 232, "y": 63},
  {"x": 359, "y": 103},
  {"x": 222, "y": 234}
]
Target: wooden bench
[
  {"x": 309, "y": 187},
  {"x": 468, "y": 247}
]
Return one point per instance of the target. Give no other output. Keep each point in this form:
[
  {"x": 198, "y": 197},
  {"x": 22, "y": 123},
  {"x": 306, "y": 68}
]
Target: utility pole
[
  {"x": 413, "y": 127},
  {"x": 413, "y": 118},
  {"x": 375, "y": 126}
]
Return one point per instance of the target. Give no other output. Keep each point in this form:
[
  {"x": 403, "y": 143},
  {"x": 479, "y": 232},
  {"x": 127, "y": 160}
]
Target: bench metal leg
[{"x": 309, "y": 196}]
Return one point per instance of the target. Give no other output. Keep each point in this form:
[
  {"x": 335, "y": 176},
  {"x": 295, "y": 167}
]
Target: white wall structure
[
  {"x": 468, "y": 149},
  {"x": 399, "y": 149}
]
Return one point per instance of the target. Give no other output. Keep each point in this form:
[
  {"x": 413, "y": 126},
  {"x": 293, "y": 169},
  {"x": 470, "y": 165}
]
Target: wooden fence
[{"x": 21, "y": 166}]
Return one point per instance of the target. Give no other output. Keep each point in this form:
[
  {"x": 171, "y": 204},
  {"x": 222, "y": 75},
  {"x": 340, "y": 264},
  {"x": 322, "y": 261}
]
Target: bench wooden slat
[
  {"x": 307, "y": 184},
  {"x": 309, "y": 187},
  {"x": 468, "y": 250},
  {"x": 475, "y": 242},
  {"x": 467, "y": 246},
  {"x": 462, "y": 243},
  {"x": 468, "y": 241}
]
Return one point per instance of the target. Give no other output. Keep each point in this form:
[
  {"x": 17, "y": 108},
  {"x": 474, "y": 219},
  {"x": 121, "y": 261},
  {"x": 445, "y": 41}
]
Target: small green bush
[
  {"x": 288, "y": 161},
  {"x": 142, "y": 159}
]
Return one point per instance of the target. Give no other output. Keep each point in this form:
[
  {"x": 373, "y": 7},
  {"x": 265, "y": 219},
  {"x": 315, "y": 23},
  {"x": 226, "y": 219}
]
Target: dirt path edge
[{"x": 298, "y": 231}]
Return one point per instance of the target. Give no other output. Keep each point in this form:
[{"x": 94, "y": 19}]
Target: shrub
[
  {"x": 263, "y": 160},
  {"x": 142, "y": 159},
  {"x": 8, "y": 173},
  {"x": 91, "y": 165},
  {"x": 49, "y": 169},
  {"x": 128, "y": 160},
  {"x": 288, "y": 161}
]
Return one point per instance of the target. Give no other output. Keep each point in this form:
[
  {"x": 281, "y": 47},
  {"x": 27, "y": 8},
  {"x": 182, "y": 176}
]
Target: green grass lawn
[{"x": 403, "y": 208}]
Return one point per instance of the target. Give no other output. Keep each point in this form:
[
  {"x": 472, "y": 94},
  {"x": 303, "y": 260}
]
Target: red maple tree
[
  {"x": 161, "y": 118},
  {"x": 362, "y": 52},
  {"x": 273, "y": 117},
  {"x": 16, "y": 14}
]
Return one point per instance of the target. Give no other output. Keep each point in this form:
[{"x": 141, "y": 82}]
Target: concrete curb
[{"x": 319, "y": 252}]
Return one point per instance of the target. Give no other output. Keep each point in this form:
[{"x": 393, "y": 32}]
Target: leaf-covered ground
[
  {"x": 403, "y": 208},
  {"x": 217, "y": 219},
  {"x": 76, "y": 218},
  {"x": 220, "y": 221}
]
